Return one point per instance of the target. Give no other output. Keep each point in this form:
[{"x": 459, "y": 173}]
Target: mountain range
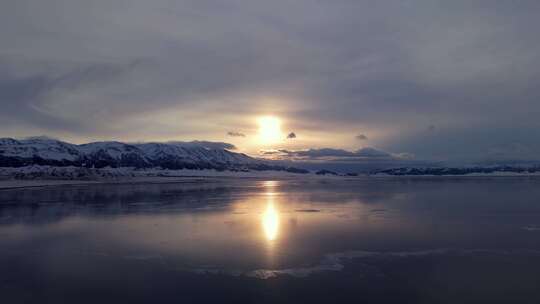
[{"x": 167, "y": 155}]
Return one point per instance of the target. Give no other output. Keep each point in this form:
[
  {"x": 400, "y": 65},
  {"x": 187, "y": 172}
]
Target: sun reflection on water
[
  {"x": 270, "y": 216},
  {"x": 270, "y": 222}
]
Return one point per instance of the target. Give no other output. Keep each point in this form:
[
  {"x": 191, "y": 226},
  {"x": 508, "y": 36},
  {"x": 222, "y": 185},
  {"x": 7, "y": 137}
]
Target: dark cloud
[
  {"x": 291, "y": 135},
  {"x": 236, "y": 134},
  {"x": 361, "y": 137}
]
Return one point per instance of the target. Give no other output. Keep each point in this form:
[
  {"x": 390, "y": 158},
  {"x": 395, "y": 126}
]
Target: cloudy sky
[{"x": 424, "y": 79}]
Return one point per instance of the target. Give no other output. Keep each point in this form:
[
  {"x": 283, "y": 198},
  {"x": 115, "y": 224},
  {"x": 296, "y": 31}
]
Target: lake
[{"x": 372, "y": 240}]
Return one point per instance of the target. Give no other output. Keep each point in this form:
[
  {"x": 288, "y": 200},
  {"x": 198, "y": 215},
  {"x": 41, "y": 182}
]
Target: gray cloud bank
[
  {"x": 331, "y": 154},
  {"x": 94, "y": 68}
]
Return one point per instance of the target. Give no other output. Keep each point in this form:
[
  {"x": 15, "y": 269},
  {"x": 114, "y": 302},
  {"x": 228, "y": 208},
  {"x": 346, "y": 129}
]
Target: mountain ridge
[{"x": 115, "y": 154}]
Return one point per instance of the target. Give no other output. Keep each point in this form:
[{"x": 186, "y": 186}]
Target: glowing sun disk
[{"x": 270, "y": 129}]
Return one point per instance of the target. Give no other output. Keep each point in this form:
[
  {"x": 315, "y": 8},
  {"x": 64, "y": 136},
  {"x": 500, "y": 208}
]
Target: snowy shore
[{"x": 40, "y": 176}]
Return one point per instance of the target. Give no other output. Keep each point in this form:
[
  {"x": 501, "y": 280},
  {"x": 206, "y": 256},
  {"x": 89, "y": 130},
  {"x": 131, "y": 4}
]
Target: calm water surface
[{"x": 439, "y": 240}]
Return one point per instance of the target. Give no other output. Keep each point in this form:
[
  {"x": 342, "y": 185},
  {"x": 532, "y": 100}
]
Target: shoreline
[
  {"x": 188, "y": 177},
  {"x": 13, "y": 184}
]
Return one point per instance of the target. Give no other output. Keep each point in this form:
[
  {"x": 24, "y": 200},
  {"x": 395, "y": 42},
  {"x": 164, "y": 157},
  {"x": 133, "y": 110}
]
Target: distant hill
[{"x": 475, "y": 170}]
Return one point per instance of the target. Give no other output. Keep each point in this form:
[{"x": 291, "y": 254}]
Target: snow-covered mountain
[
  {"x": 171, "y": 155},
  {"x": 38, "y": 150}
]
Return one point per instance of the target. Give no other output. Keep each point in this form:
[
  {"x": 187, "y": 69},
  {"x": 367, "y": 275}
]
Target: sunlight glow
[{"x": 270, "y": 130}]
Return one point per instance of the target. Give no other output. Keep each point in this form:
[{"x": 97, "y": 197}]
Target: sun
[{"x": 269, "y": 130}]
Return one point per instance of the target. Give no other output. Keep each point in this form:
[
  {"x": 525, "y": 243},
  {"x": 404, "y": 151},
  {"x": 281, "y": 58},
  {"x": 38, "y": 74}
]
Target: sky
[{"x": 433, "y": 80}]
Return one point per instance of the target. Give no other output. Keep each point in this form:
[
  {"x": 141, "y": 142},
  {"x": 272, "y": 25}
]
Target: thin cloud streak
[{"x": 235, "y": 134}]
